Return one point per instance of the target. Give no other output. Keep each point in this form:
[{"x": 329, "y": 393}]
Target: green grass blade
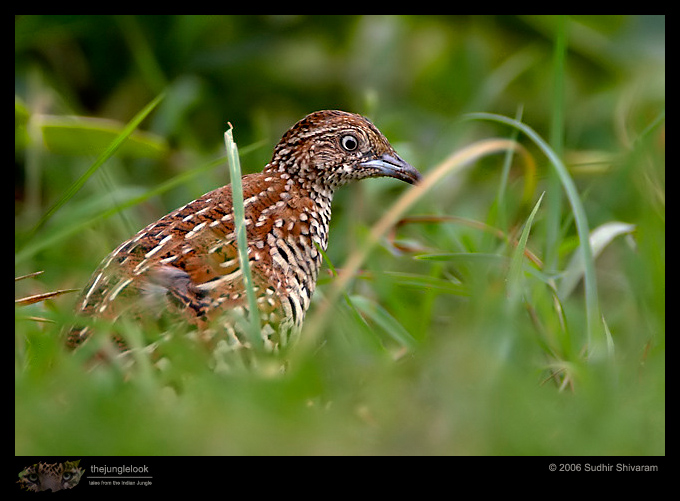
[
  {"x": 383, "y": 319},
  {"x": 517, "y": 262},
  {"x": 428, "y": 283},
  {"x": 79, "y": 135},
  {"x": 103, "y": 157},
  {"x": 241, "y": 237},
  {"x": 501, "y": 209},
  {"x": 554, "y": 199}
]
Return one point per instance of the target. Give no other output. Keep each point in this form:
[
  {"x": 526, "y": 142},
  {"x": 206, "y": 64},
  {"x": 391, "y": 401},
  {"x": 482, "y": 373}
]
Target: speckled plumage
[{"x": 187, "y": 263}]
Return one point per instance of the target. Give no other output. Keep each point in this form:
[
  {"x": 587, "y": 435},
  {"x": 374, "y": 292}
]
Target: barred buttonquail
[{"x": 187, "y": 263}]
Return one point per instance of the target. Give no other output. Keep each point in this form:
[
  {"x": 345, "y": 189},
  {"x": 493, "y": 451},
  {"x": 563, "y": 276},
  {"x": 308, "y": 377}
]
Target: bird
[{"x": 186, "y": 263}]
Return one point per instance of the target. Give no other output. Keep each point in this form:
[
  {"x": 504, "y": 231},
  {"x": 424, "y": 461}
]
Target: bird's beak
[{"x": 393, "y": 166}]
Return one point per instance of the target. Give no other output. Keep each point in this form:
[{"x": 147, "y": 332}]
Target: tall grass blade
[
  {"x": 501, "y": 210},
  {"x": 554, "y": 201},
  {"x": 241, "y": 237}
]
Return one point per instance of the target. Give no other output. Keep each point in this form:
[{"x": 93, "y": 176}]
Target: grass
[
  {"x": 594, "y": 329},
  {"x": 241, "y": 239},
  {"x": 511, "y": 304},
  {"x": 105, "y": 155}
]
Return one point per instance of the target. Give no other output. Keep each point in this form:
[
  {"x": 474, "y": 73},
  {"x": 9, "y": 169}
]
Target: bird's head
[{"x": 330, "y": 148}]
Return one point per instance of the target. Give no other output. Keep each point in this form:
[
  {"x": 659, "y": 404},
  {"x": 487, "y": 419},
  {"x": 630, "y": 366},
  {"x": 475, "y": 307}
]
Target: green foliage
[{"x": 512, "y": 304}]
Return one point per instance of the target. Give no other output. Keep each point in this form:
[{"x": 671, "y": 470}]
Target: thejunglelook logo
[{"x": 54, "y": 477}]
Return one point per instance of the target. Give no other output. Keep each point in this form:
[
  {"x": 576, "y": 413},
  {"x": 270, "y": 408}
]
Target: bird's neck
[
  {"x": 322, "y": 199},
  {"x": 312, "y": 187}
]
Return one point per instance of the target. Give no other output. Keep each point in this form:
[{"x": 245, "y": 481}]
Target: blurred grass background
[{"x": 438, "y": 359}]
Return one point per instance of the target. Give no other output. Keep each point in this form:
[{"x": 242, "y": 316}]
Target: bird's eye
[{"x": 349, "y": 142}]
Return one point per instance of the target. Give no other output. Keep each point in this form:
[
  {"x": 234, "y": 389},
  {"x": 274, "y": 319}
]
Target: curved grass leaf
[
  {"x": 596, "y": 335},
  {"x": 600, "y": 237},
  {"x": 103, "y": 157},
  {"x": 75, "y": 135}
]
